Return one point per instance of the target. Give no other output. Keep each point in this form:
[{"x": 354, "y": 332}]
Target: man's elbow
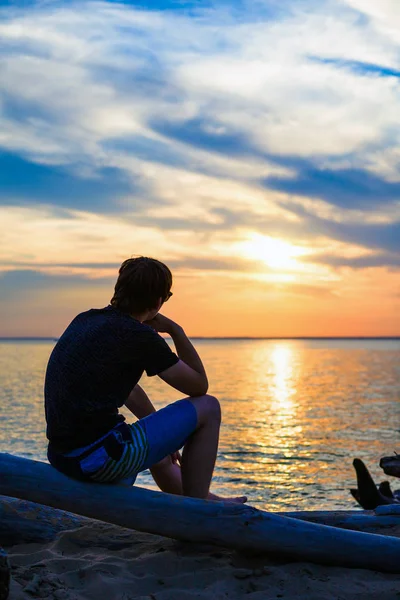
[{"x": 200, "y": 388}]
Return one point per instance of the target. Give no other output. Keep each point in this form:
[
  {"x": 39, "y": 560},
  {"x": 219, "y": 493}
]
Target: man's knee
[
  {"x": 208, "y": 408},
  {"x": 213, "y": 406}
]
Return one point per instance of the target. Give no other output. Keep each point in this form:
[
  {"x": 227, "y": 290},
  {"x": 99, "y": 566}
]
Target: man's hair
[{"x": 141, "y": 283}]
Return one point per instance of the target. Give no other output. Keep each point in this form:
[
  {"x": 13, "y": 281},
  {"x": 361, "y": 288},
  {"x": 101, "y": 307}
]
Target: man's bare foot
[{"x": 228, "y": 499}]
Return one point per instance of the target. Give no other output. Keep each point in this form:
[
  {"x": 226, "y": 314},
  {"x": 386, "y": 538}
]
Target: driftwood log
[
  {"x": 367, "y": 493},
  {"x": 356, "y": 520},
  {"x": 22, "y": 521},
  {"x": 4, "y": 575},
  {"x": 389, "y": 509},
  {"x": 234, "y": 526},
  {"x": 25, "y": 522}
]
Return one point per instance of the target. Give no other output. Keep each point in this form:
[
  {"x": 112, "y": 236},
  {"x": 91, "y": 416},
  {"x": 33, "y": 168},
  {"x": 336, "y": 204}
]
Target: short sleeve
[{"x": 157, "y": 355}]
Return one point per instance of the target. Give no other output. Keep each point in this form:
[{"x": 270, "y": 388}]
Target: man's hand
[
  {"x": 188, "y": 374},
  {"x": 162, "y": 324},
  {"x": 176, "y": 458}
]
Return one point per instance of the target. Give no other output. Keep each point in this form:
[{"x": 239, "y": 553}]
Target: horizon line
[{"x": 196, "y": 337}]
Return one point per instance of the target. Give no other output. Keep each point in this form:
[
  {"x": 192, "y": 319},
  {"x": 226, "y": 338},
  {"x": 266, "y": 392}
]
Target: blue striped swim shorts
[{"x": 124, "y": 451}]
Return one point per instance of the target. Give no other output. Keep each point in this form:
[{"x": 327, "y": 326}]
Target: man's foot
[{"x": 228, "y": 499}]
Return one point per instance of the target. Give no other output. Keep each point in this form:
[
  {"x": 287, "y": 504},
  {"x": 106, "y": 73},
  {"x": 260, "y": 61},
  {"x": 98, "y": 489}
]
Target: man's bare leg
[
  {"x": 198, "y": 457},
  {"x": 200, "y": 451},
  {"x": 168, "y": 477}
]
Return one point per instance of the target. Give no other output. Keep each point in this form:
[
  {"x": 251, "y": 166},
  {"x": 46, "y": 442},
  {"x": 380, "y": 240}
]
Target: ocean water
[{"x": 295, "y": 414}]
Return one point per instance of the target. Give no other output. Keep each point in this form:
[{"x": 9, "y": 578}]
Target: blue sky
[{"x": 210, "y": 134}]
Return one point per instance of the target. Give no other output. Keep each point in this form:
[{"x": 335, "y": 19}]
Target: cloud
[
  {"x": 384, "y": 15},
  {"x": 16, "y": 282},
  {"x": 362, "y": 68},
  {"x": 38, "y": 234},
  {"x": 382, "y": 236},
  {"x": 134, "y": 68},
  {"x": 35, "y": 271},
  {"x": 359, "y": 262},
  {"x": 186, "y": 127},
  {"x": 44, "y": 184},
  {"x": 345, "y": 188},
  {"x": 53, "y": 301}
]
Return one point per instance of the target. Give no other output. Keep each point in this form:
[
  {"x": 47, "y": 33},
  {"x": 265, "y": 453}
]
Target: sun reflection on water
[{"x": 282, "y": 360}]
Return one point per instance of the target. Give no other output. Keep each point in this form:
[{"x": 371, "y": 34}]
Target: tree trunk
[{"x": 188, "y": 519}]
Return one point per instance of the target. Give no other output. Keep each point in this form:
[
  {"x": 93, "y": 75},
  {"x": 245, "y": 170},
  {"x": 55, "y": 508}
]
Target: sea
[{"x": 295, "y": 413}]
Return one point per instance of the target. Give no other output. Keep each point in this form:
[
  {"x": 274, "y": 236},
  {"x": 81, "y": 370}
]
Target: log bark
[
  {"x": 389, "y": 509},
  {"x": 4, "y": 575},
  {"x": 357, "y": 520},
  {"x": 26, "y": 522},
  {"x": 235, "y": 526}
]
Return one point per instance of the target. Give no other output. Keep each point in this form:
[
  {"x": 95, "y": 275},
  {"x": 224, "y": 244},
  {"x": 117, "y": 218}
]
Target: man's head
[{"x": 142, "y": 286}]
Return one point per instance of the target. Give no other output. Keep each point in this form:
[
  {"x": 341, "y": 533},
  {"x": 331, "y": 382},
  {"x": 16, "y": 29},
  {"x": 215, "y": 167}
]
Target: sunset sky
[{"x": 252, "y": 145}]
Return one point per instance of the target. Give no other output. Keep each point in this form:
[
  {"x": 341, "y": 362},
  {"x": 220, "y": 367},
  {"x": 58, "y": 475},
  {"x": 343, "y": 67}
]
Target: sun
[{"x": 276, "y": 253}]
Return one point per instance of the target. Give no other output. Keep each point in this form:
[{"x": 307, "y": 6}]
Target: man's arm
[
  {"x": 188, "y": 375},
  {"x": 187, "y": 352},
  {"x": 139, "y": 403}
]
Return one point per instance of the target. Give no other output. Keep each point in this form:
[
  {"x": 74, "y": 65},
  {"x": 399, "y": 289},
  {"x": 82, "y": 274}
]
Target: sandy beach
[{"x": 105, "y": 561}]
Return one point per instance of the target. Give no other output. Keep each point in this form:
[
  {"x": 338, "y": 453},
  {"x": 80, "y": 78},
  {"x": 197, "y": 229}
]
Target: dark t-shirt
[{"x": 94, "y": 366}]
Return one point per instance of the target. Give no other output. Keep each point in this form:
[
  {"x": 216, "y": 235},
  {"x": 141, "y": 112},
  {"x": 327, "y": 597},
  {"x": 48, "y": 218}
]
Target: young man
[{"x": 94, "y": 369}]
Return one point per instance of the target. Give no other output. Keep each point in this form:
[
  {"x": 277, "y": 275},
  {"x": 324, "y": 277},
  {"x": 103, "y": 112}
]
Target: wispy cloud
[{"x": 362, "y": 68}]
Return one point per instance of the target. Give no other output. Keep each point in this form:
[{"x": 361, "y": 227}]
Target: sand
[{"x": 104, "y": 561}]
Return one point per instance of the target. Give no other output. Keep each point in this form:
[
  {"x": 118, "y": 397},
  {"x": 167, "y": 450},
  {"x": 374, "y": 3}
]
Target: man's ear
[{"x": 159, "y": 304}]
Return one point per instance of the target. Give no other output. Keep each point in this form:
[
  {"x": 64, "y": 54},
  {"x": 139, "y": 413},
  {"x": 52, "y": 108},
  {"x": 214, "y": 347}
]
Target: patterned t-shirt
[{"x": 95, "y": 364}]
